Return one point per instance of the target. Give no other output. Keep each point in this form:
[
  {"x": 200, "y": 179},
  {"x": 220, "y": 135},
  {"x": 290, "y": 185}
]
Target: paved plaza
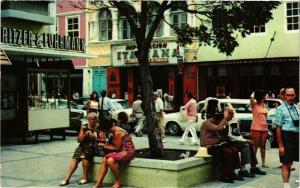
[{"x": 44, "y": 164}]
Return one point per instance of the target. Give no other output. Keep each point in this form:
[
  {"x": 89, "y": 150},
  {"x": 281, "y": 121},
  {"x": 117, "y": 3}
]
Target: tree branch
[
  {"x": 144, "y": 18},
  {"x": 160, "y": 15},
  {"x": 124, "y": 9}
]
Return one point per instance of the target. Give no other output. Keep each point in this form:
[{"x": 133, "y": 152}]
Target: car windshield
[{"x": 120, "y": 105}]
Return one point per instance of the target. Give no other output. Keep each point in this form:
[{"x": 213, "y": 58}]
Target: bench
[{"x": 142, "y": 172}]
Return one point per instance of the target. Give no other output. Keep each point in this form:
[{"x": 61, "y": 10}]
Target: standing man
[
  {"x": 159, "y": 109},
  {"x": 105, "y": 106},
  {"x": 138, "y": 115},
  {"x": 287, "y": 132},
  {"x": 191, "y": 117}
]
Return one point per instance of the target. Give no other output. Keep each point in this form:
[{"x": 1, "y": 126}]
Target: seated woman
[
  {"x": 84, "y": 152},
  {"x": 121, "y": 152},
  {"x": 123, "y": 121},
  {"x": 211, "y": 139}
]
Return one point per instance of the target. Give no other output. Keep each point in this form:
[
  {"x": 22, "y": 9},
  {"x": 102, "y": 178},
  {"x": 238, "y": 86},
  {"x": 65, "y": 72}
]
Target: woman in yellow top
[{"x": 259, "y": 126}]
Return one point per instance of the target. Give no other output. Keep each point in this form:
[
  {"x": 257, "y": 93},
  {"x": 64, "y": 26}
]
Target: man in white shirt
[
  {"x": 105, "y": 106},
  {"x": 159, "y": 109},
  {"x": 138, "y": 115}
]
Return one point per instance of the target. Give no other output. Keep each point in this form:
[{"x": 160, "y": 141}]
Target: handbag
[
  {"x": 182, "y": 116},
  {"x": 100, "y": 151},
  {"x": 295, "y": 122}
]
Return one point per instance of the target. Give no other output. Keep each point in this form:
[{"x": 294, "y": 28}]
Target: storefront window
[
  {"x": 48, "y": 105},
  {"x": 47, "y": 90}
]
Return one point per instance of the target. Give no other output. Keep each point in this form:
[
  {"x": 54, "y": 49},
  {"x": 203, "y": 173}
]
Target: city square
[{"x": 76, "y": 73}]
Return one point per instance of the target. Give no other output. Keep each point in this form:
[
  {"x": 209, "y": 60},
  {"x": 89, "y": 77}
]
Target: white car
[
  {"x": 174, "y": 126},
  {"x": 120, "y": 105},
  {"x": 243, "y": 112}
]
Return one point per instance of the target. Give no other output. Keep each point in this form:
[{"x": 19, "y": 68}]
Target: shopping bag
[{"x": 182, "y": 116}]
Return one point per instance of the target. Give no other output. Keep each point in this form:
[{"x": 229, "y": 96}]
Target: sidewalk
[{"x": 44, "y": 165}]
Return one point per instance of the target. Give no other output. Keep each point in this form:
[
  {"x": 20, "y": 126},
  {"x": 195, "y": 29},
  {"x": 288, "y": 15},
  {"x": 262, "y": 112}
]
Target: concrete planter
[{"x": 142, "y": 172}]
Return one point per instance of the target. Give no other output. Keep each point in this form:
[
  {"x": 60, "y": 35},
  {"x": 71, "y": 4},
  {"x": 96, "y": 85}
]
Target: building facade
[
  {"x": 71, "y": 21},
  {"x": 266, "y": 59},
  {"x": 35, "y": 85}
]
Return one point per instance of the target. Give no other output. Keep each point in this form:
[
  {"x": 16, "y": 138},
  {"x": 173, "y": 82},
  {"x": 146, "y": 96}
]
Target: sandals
[
  {"x": 64, "y": 183},
  {"x": 82, "y": 181}
]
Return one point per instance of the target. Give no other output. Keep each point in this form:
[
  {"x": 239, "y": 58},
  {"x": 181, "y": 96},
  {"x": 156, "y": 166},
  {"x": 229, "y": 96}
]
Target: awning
[
  {"x": 4, "y": 60},
  {"x": 17, "y": 52}
]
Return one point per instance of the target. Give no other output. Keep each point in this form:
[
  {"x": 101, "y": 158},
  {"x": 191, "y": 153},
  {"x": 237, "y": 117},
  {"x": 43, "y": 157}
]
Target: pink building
[{"x": 71, "y": 21}]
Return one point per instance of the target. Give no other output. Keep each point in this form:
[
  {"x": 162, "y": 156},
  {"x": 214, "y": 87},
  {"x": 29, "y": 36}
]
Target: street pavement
[{"x": 44, "y": 164}]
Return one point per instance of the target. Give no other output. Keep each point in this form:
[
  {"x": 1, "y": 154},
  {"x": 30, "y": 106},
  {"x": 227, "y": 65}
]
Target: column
[
  {"x": 115, "y": 31},
  {"x": 167, "y": 28}
]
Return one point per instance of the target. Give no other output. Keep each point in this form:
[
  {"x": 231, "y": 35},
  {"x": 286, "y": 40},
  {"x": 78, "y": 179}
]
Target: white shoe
[
  {"x": 181, "y": 142},
  {"x": 163, "y": 141},
  {"x": 63, "y": 183},
  {"x": 194, "y": 144}
]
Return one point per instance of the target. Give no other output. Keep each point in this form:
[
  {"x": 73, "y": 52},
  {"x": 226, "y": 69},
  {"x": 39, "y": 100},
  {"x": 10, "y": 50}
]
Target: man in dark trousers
[{"x": 287, "y": 132}]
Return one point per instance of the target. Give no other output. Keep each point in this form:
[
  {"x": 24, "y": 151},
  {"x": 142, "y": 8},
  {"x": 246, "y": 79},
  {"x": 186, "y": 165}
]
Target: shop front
[
  {"x": 35, "y": 87},
  {"x": 123, "y": 78},
  {"x": 239, "y": 78}
]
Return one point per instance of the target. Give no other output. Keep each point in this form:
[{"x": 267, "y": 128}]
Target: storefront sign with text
[
  {"x": 27, "y": 38},
  {"x": 160, "y": 53}
]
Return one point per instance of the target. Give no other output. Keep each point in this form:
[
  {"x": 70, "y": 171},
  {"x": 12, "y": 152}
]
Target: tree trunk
[{"x": 154, "y": 138}]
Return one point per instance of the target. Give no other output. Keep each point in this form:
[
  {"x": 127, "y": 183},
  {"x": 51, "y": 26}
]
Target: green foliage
[{"x": 224, "y": 21}]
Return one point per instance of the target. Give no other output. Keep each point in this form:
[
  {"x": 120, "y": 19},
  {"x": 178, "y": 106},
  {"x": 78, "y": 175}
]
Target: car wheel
[{"x": 173, "y": 128}]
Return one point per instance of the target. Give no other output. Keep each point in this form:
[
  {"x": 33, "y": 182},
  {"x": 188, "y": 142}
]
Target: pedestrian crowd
[{"x": 218, "y": 138}]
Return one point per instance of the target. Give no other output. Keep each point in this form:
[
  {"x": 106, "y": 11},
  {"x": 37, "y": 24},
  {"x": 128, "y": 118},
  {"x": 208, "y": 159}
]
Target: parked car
[
  {"x": 174, "y": 126},
  {"x": 120, "y": 105},
  {"x": 243, "y": 112}
]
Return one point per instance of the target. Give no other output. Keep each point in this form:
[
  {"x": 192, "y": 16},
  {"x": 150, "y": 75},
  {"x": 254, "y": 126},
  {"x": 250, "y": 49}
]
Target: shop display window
[
  {"x": 48, "y": 90},
  {"x": 48, "y": 104}
]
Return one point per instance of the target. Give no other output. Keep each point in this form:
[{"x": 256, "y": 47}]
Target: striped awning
[{"x": 4, "y": 60}]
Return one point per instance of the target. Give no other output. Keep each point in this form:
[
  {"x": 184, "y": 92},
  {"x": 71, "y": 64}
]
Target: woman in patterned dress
[
  {"x": 122, "y": 151},
  {"x": 84, "y": 152}
]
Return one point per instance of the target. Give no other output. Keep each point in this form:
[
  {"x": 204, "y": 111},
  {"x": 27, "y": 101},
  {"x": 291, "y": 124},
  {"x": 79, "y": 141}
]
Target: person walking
[
  {"x": 191, "y": 117},
  {"x": 84, "y": 152},
  {"x": 159, "y": 110},
  {"x": 93, "y": 103},
  {"x": 287, "y": 132},
  {"x": 138, "y": 115},
  {"x": 259, "y": 126}
]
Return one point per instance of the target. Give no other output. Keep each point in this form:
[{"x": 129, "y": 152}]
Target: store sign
[
  {"x": 159, "y": 53},
  {"x": 28, "y": 38}
]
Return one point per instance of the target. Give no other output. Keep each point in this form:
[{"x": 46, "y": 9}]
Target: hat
[{"x": 202, "y": 152}]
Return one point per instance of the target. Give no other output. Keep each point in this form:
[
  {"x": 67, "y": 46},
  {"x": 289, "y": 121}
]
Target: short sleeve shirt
[
  {"x": 283, "y": 117},
  {"x": 259, "y": 121},
  {"x": 159, "y": 105}
]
